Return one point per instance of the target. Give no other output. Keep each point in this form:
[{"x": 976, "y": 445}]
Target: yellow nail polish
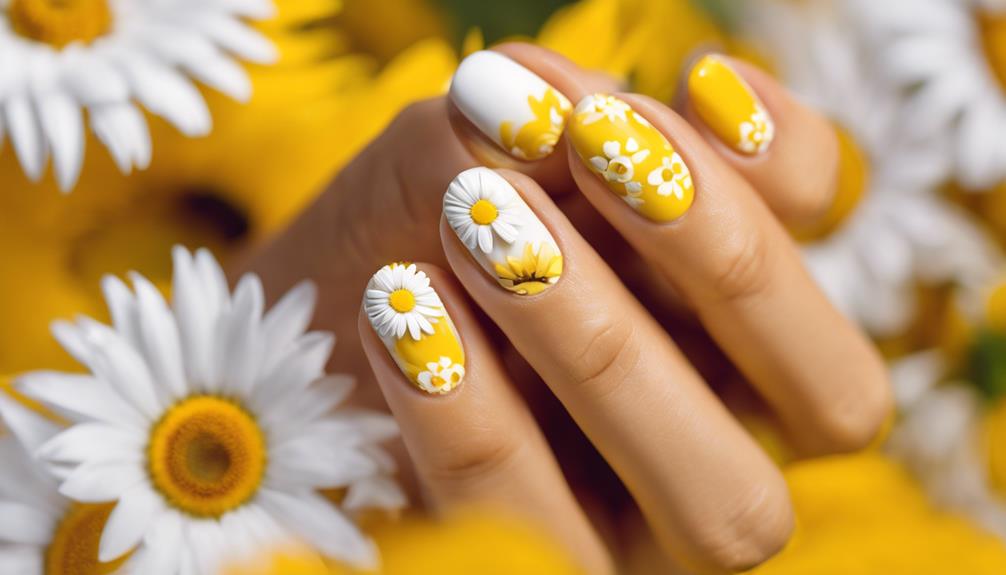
[
  {"x": 634, "y": 158},
  {"x": 729, "y": 106},
  {"x": 410, "y": 319}
]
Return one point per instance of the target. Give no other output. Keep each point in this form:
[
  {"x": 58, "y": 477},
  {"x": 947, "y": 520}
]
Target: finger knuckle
[
  {"x": 746, "y": 268},
  {"x": 609, "y": 353},
  {"x": 757, "y": 526},
  {"x": 476, "y": 457}
]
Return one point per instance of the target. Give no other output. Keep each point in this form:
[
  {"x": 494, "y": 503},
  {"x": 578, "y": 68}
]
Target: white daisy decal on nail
[
  {"x": 619, "y": 165},
  {"x": 477, "y": 210},
  {"x": 399, "y": 299},
  {"x": 597, "y": 106},
  {"x": 672, "y": 177},
  {"x": 441, "y": 376}
]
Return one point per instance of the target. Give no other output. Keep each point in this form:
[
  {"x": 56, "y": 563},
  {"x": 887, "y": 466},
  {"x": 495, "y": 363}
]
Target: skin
[{"x": 648, "y": 314}]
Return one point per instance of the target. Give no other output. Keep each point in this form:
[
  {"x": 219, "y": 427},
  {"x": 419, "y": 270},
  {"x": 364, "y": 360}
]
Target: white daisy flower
[
  {"x": 620, "y": 166},
  {"x": 442, "y": 376},
  {"x": 899, "y": 231},
  {"x": 107, "y": 58},
  {"x": 399, "y": 299},
  {"x": 597, "y": 106},
  {"x": 951, "y": 56},
  {"x": 672, "y": 177},
  {"x": 211, "y": 426},
  {"x": 938, "y": 437},
  {"x": 477, "y": 210}
]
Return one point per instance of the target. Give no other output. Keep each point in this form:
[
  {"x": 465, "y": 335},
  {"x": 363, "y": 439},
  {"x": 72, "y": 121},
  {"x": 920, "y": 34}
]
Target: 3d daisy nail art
[
  {"x": 510, "y": 104},
  {"x": 501, "y": 232},
  {"x": 410, "y": 319},
  {"x": 635, "y": 160},
  {"x": 729, "y": 106}
]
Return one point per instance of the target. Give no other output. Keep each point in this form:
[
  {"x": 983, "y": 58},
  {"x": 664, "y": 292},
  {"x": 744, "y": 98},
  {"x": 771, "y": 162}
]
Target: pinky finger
[{"x": 470, "y": 436}]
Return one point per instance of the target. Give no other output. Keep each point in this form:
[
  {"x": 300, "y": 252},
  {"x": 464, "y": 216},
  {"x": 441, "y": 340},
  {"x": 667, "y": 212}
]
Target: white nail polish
[{"x": 511, "y": 105}]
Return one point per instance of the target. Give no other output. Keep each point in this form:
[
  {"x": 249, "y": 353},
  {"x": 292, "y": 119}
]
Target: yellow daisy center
[
  {"x": 484, "y": 212},
  {"x": 853, "y": 177},
  {"x": 60, "y": 22},
  {"x": 207, "y": 456},
  {"x": 992, "y": 28},
  {"x": 402, "y": 300},
  {"x": 74, "y": 546}
]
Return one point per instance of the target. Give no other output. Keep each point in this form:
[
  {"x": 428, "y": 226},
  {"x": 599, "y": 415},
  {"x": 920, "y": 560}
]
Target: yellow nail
[
  {"x": 634, "y": 158},
  {"x": 729, "y": 106},
  {"x": 410, "y": 319}
]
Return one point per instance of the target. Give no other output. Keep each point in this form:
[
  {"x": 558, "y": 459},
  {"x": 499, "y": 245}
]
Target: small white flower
[
  {"x": 672, "y": 177},
  {"x": 399, "y": 299},
  {"x": 596, "y": 106},
  {"x": 479, "y": 203},
  {"x": 211, "y": 425},
  {"x": 757, "y": 133},
  {"x": 442, "y": 376},
  {"x": 140, "y": 54},
  {"x": 617, "y": 166}
]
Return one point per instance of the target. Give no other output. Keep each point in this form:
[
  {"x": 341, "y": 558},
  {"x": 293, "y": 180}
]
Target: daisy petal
[
  {"x": 61, "y": 122},
  {"x": 26, "y": 135},
  {"x": 136, "y": 510},
  {"x": 160, "y": 546},
  {"x": 81, "y": 396},
  {"x": 100, "y": 482},
  {"x": 319, "y": 523},
  {"x": 25, "y": 525}
]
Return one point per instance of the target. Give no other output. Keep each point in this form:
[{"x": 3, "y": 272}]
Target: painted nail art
[
  {"x": 502, "y": 233},
  {"x": 729, "y": 106},
  {"x": 510, "y": 104},
  {"x": 634, "y": 158},
  {"x": 412, "y": 322}
]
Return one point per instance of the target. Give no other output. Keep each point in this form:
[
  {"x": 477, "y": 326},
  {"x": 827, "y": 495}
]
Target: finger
[
  {"x": 786, "y": 150},
  {"x": 510, "y": 104},
  {"x": 712, "y": 237},
  {"x": 713, "y": 498},
  {"x": 472, "y": 440}
]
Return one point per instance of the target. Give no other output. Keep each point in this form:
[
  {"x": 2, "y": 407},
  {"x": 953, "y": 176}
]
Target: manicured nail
[
  {"x": 514, "y": 107},
  {"x": 634, "y": 158},
  {"x": 496, "y": 225},
  {"x": 412, "y": 322},
  {"x": 729, "y": 106}
]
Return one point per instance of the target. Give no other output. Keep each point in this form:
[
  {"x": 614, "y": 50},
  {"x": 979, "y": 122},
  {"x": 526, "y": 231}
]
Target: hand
[{"x": 596, "y": 336}]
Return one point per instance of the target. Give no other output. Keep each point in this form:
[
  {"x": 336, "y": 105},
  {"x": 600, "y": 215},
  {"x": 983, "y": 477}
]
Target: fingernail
[
  {"x": 412, "y": 322},
  {"x": 499, "y": 229},
  {"x": 729, "y": 106},
  {"x": 634, "y": 158},
  {"x": 510, "y": 104}
]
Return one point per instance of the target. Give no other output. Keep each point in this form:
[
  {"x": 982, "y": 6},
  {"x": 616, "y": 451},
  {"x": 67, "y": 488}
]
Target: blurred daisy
[
  {"x": 888, "y": 229},
  {"x": 108, "y": 57},
  {"x": 211, "y": 426},
  {"x": 399, "y": 299},
  {"x": 951, "y": 56}
]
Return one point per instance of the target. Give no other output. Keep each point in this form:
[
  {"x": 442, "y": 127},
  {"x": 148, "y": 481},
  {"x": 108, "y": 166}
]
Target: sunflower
[
  {"x": 538, "y": 268},
  {"x": 211, "y": 426}
]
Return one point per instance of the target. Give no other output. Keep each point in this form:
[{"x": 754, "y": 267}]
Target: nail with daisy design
[
  {"x": 635, "y": 160},
  {"x": 510, "y": 104},
  {"x": 502, "y": 233},
  {"x": 410, "y": 319},
  {"x": 728, "y": 105}
]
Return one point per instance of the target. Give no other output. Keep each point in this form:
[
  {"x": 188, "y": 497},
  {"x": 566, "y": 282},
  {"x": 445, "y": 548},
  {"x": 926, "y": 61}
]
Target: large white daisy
[
  {"x": 399, "y": 299},
  {"x": 108, "y": 58},
  {"x": 900, "y": 232},
  {"x": 210, "y": 426},
  {"x": 477, "y": 210},
  {"x": 951, "y": 56}
]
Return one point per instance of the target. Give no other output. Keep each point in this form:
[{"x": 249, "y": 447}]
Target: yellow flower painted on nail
[
  {"x": 537, "y": 138},
  {"x": 729, "y": 106},
  {"x": 536, "y": 270},
  {"x": 636, "y": 161},
  {"x": 412, "y": 322}
]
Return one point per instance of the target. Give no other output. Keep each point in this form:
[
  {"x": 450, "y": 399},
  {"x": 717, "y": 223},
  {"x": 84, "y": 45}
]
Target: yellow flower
[
  {"x": 533, "y": 272},
  {"x": 864, "y": 514}
]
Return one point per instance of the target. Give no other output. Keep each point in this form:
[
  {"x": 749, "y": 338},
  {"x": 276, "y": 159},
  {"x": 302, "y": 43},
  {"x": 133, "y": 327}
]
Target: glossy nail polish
[{"x": 728, "y": 105}]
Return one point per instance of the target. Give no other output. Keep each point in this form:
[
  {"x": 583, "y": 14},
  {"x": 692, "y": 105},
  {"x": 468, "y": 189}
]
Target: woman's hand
[{"x": 594, "y": 330}]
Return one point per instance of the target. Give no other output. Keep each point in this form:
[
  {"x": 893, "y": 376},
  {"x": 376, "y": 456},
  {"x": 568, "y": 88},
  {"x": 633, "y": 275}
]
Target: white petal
[
  {"x": 238, "y": 337},
  {"x": 30, "y": 428},
  {"x": 22, "y": 524},
  {"x": 375, "y": 493},
  {"x": 122, "y": 307},
  {"x": 26, "y": 136},
  {"x": 116, "y": 362},
  {"x": 81, "y": 396},
  {"x": 166, "y": 93},
  {"x": 208, "y": 544},
  {"x": 194, "y": 53},
  {"x": 160, "y": 337},
  {"x": 100, "y": 482},
  {"x": 322, "y": 525},
  {"x": 91, "y": 79},
  {"x": 128, "y": 522},
  {"x": 28, "y": 560},
  {"x": 161, "y": 546},
  {"x": 238, "y": 38},
  {"x": 193, "y": 316},
  {"x": 63, "y": 126},
  {"x": 298, "y": 368},
  {"x": 123, "y": 130},
  {"x": 288, "y": 318},
  {"x": 93, "y": 442},
  {"x": 307, "y": 463}
]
